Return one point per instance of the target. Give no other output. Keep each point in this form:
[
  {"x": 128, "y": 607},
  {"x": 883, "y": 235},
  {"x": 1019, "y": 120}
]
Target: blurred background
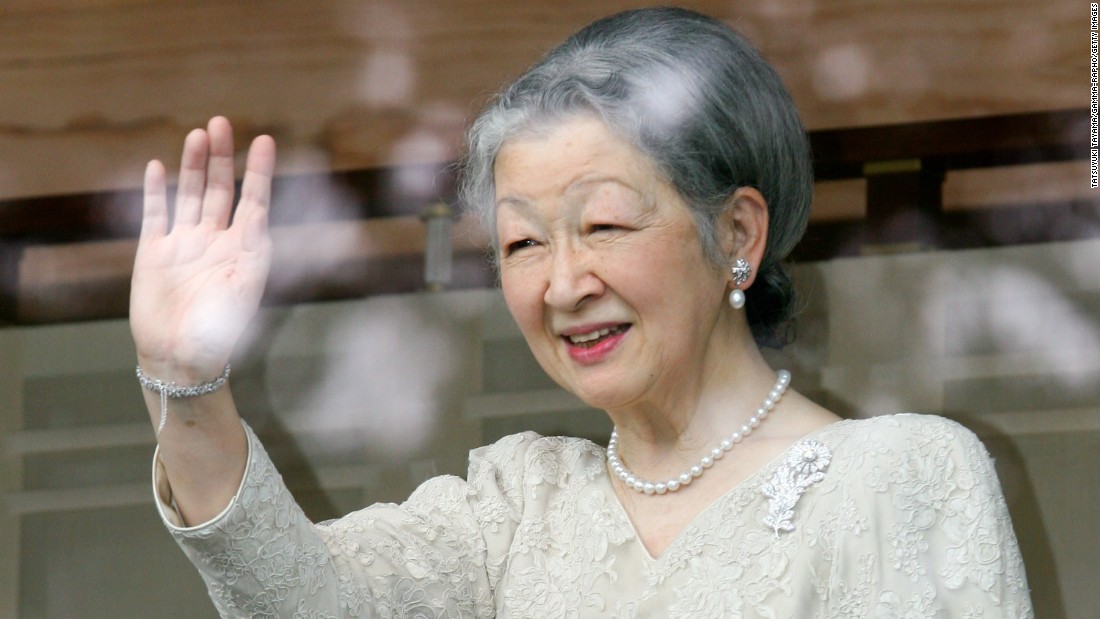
[{"x": 950, "y": 266}]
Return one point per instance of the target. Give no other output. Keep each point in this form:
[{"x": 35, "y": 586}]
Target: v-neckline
[{"x": 721, "y": 499}]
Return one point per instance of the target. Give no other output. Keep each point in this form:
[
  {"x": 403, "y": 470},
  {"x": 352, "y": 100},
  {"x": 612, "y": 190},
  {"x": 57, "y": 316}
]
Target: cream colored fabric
[{"x": 907, "y": 520}]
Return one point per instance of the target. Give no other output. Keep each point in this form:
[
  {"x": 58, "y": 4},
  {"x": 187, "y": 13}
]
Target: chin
[
  {"x": 601, "y": 396},
  {"x": 607, "y": 387}
]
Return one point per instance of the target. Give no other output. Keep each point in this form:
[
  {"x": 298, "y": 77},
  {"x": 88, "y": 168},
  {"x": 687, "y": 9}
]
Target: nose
[{"x": 572, "y": 280}]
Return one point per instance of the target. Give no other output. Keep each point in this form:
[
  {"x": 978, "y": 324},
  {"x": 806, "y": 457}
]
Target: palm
[{"x": 195, "y": 288}]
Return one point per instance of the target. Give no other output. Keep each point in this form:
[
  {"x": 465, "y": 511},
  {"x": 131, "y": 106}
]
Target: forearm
[
  {"x": 259, "y": 556},
  {"x": 202, "y": 448}
]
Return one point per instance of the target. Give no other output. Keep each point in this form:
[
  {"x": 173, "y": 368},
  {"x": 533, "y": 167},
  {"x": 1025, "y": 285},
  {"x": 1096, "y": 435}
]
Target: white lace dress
[{"x": 898, "y": 516}]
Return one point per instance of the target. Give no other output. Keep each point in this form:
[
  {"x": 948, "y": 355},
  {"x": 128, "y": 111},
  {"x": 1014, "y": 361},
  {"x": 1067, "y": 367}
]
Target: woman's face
[{"x": 602, "y": 268}]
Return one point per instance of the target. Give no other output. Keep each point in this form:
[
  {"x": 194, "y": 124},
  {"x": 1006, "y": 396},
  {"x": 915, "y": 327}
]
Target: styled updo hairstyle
[{"x": 699, "y": 101}]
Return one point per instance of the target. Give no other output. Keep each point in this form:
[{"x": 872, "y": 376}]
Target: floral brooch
[{"x": 803, "y": 467}]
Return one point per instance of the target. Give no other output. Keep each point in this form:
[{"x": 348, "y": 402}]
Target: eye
[
  {"x": 515, "y": 246},
  {"x": 603, "y": 227}
]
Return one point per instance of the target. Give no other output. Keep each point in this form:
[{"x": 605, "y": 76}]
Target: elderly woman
[{"x": 642, "y": 183}]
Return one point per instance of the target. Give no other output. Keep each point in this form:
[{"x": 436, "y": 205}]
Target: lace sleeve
[
  {"x": 439, "y": 554},
  {"x": 936, "y": 538}
]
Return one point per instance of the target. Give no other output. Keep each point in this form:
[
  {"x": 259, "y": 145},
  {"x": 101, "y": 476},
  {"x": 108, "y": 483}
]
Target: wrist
[
  {"x": 170, "y": 390},
  {"x": 175, "y": 391}
]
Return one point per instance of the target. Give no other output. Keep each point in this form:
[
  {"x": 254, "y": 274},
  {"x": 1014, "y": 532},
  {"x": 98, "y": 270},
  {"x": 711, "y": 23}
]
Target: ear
[{"x": 743, "y": 230}]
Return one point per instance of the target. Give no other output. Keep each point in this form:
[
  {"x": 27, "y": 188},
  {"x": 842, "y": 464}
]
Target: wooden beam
[
  {"x": 296, "y": 199},
  {"x": 407, "y": 190},
  {"x": 68, "y": 258},
  {"x": 313, "y": 262},
  {"x": 954, "y": 144}
]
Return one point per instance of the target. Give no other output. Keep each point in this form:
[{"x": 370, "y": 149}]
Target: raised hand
[{"x": 197, "y": 285}]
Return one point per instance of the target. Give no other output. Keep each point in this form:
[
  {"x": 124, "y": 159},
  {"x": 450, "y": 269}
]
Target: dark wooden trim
[
  {"x": 955, "y": 230},
  {"x": 905, "y": 165},
  {"x": 108, "y": 298},
  {"x": 11, "y": 253},
  {"x": 336, "y": 196},
  {"x": 954, "y": 144},
  {"x": 360, "y": 194}
]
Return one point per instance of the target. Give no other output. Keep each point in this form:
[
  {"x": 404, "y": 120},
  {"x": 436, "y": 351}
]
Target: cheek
[
  {"x": 523, "y": 300},
  {"x": 674, "y": 289},
  {"x": 645, "y": 272}
]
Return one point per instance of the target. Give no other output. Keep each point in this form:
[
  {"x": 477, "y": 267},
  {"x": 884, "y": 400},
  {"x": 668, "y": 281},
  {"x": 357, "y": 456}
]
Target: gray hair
[{"x": 699, "y": 101}]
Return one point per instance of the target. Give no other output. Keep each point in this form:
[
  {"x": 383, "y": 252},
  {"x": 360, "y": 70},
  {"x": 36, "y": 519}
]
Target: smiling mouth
[{"x": 588, "y": 340}]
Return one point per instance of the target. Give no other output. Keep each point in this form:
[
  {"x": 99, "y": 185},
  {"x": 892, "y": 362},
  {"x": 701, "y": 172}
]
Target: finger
[
  {"x": 256, "y": 233},
  {"x": 256, "y": 187},
  {"x": 192, "y": 183},
  {"x": 154, "y": 215},
  {"x": 255, "y": 262},
  {"x": 217, "y": 203}
]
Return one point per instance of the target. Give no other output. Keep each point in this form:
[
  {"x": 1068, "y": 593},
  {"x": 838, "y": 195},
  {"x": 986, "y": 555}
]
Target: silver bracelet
[{"x": 176, "y": 392}]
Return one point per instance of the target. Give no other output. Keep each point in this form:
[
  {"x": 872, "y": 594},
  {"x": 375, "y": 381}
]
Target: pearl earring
[
  {"x": 737, "y": 299},
  {"x": 741, "y": 271}
]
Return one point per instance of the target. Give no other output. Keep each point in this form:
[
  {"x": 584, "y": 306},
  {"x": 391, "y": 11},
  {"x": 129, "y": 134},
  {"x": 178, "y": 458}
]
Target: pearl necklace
[{"x": 647, "y": 487}]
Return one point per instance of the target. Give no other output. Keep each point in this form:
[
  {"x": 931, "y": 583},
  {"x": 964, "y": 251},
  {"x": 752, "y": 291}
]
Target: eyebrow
[{"x": 518, "y": 202}]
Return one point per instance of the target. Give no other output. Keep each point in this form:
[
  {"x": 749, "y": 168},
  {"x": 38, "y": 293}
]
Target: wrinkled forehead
[{"x": 578, "y": 165}]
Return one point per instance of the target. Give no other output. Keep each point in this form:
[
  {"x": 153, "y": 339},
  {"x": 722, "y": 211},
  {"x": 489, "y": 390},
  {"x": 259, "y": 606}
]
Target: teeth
[
  {"x": 581, "y": 338},
  {"x": 588, "y": 337}
]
